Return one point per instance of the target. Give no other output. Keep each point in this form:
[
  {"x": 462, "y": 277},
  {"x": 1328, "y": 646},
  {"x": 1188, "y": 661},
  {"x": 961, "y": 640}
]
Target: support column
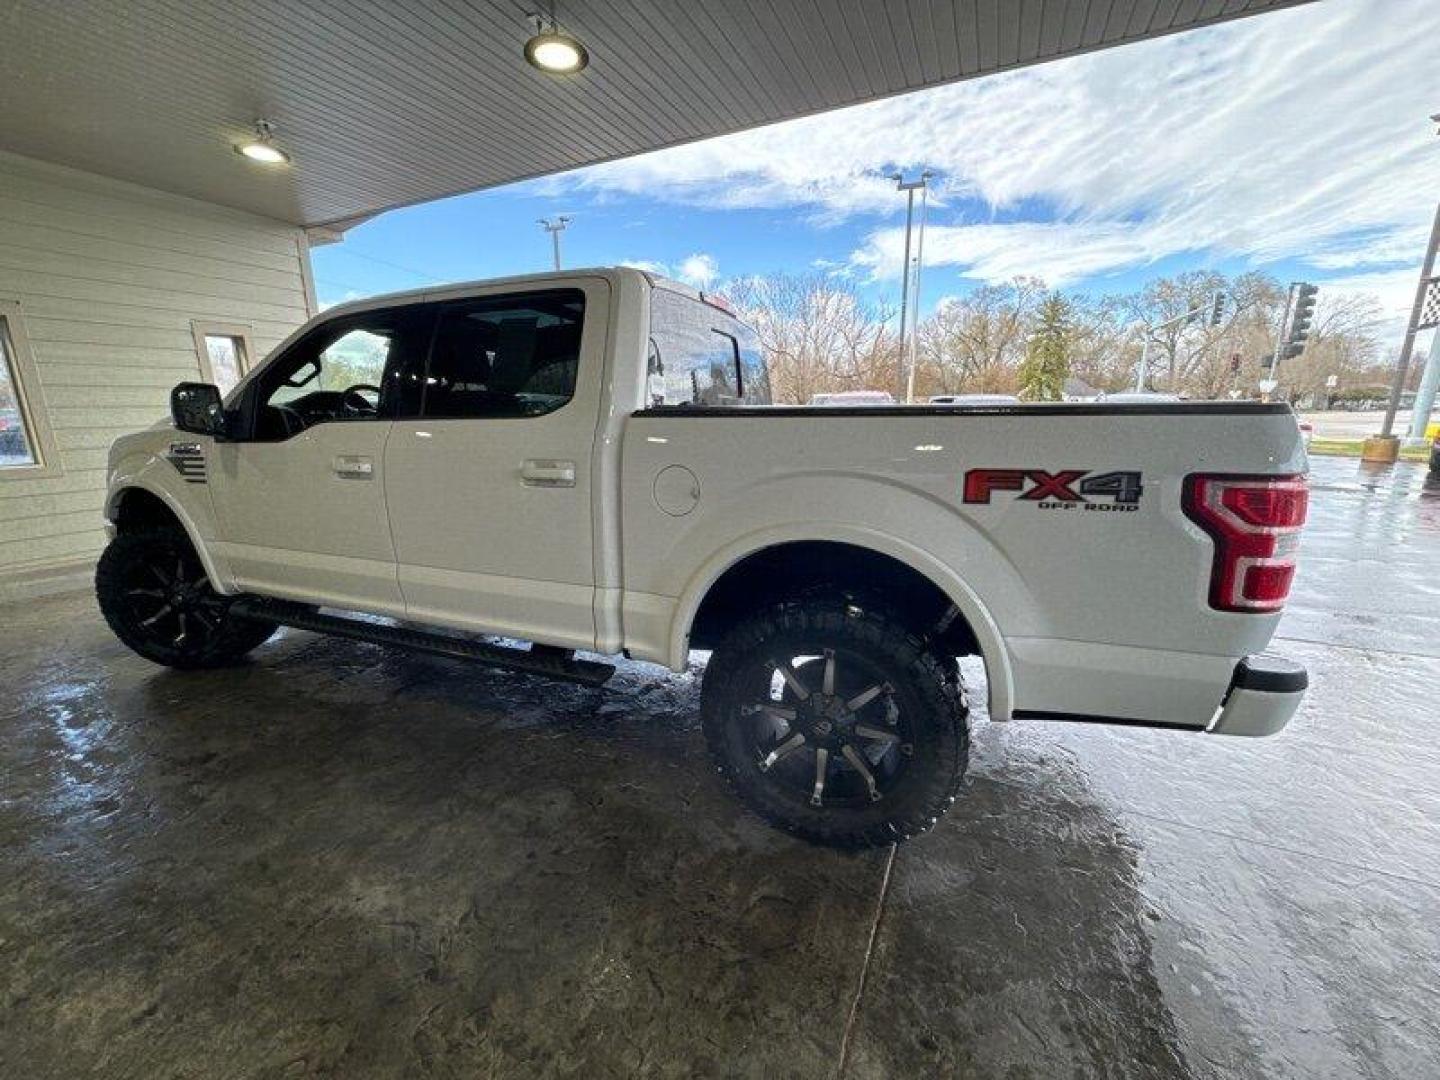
[{"x": 1425, "y": 395}]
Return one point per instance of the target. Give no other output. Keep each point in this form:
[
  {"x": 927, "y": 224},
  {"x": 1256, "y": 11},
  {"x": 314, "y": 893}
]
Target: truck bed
[{"x": 1083, "y": 605}]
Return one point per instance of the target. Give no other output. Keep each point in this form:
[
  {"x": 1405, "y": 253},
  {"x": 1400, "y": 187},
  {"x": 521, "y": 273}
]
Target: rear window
[{"x": 699, "y": 355}]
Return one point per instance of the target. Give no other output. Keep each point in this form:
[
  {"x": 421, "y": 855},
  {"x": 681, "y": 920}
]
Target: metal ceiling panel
[{"x": 383, "y": 104}]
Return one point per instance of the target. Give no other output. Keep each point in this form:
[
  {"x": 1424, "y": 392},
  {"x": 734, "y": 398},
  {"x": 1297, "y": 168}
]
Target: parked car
[
  {"x": 974, "y": 399},
  {"x": 1138, "y": 397},
  {"x": 590, "y": 461},
  {"x": 853, "y": 397}
]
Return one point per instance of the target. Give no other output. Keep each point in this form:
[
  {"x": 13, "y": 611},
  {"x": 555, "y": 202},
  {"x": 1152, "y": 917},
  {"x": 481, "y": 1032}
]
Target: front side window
[
  {"x": 504, "y": 356},
  {"x": 352, "y": 368},
  {"x": 699, "y": 355}
]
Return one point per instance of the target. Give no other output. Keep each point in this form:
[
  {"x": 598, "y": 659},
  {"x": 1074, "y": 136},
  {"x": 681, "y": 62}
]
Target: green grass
[{"x": 1351, "y": 448}]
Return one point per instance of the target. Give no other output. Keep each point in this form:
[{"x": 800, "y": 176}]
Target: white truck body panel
[
  {"x": 602, "y": 525},
  {"x": 1102, "y": 613}
]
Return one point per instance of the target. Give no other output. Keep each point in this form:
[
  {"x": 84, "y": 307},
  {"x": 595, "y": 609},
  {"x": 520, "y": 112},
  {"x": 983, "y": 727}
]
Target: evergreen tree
[{"x": 1047, "y": 355}]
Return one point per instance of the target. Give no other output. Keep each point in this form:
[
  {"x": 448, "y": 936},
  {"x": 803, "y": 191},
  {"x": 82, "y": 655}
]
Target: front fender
[{"x": 146, "y": 469}]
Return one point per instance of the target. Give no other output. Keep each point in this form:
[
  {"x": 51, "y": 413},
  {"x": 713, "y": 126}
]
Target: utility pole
[
  {"x": 906, "y": 386},
  {"x": 555, "y": 228}
]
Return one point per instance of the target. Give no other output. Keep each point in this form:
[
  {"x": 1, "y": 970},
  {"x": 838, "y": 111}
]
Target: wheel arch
[
  {"x": 136, "y": 504},
  {"x": 852, "y": 548}
]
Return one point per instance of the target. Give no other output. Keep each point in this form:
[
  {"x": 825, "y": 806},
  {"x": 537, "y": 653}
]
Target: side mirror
[{"x": 195, "y": 408}]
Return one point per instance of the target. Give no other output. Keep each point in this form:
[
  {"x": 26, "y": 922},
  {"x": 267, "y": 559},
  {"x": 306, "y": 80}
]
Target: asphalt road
[
  {"x": 1354, "y": 425},
  {"x": 339, "y": 860}
]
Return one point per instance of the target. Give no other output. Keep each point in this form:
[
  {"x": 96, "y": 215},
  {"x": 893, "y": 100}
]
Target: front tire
[
  {"x": 155, "y": 595},
  {"x": 835, "y": 722}
]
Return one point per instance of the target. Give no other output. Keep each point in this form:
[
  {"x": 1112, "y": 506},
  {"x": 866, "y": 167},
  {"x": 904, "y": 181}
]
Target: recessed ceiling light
[
  {"x": 262, "y": 148},
  {"x": 554, "y": 52}
]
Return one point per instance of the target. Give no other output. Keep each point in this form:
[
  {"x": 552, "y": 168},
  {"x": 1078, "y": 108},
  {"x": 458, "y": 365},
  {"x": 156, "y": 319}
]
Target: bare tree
[
  {"x": 818, "y": 334},
  {"x": 975, "y": 343}
]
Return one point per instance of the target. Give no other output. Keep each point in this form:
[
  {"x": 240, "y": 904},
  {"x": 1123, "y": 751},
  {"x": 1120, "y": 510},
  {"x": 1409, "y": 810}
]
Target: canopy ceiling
[{"x": 383, "y": 104}]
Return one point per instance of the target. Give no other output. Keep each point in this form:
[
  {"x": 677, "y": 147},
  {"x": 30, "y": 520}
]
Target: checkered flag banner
[{"x": 1430, "y": 309}]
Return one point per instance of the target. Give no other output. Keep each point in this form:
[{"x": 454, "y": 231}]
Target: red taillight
[{"x": 1255, "y": 522}]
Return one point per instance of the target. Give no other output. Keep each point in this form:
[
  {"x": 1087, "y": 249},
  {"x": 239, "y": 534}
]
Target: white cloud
[
  {"x": 1301, "y": 133},
  {"x": 1059, "y": 252},
  {"x": 700, "y": 270},
  {"x": 345, "y": 298}
]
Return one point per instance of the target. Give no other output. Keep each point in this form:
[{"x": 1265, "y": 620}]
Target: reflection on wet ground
[{"x": 339, "y": 860}]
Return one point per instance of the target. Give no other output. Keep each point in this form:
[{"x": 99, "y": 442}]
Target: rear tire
[
  {"x": 154, "y": 593},
  {"x": 875, "y": 757}
]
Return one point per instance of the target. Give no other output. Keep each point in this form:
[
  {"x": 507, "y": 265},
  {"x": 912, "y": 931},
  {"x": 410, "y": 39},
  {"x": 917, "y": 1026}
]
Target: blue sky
[{"x": 1297, "y": 143}]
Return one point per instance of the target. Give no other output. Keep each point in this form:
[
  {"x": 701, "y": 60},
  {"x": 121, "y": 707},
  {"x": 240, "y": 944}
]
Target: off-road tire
[
  {"x": 154, "y": 561},
  {"x": 926, "y": 691}
]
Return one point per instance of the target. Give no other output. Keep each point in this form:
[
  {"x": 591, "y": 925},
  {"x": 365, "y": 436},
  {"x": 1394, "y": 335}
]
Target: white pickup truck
[{"x": 590, "y": 461}]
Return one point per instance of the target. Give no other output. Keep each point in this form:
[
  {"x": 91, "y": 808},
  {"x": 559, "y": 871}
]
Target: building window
[
  {"x": 27, "y": 447},
  {"x": 224, "y": 351}
]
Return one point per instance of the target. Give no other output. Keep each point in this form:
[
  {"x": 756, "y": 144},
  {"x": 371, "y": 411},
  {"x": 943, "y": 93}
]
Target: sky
[{"x": 1297, "y": 143}]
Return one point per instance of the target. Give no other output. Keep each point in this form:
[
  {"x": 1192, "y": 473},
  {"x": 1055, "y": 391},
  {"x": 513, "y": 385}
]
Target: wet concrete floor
[{"x": 339, "y": 860}]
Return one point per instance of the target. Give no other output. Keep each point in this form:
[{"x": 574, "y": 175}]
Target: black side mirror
[{"x": 195, "y": 408}]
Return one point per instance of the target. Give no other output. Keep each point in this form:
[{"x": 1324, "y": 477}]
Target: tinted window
[
  {"x": 505, "y": 356},
  {"x": 699, "y": 355}
]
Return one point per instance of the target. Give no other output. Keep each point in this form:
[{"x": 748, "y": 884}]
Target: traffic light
[
  {"x": 1302, "y": 315},
  {"x": 1217, "y": 309},
  {"x": 1234, "y": 363}
]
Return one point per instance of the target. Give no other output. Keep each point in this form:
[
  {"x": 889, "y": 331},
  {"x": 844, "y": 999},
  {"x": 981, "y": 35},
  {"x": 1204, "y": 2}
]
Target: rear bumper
[{"x": 1264, "y": 693}]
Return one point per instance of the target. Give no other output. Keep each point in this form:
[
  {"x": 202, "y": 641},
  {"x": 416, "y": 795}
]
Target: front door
[
  {"x": 300, "y": 495},
  {"x": 489, "y": 490}
]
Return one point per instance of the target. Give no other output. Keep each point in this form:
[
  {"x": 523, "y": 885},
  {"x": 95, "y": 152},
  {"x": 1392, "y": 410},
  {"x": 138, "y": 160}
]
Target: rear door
[{"x": 489, "y": 490}]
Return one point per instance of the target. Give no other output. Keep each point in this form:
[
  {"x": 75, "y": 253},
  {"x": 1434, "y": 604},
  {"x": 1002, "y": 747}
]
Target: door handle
[
  {"x": 546, "y": 473},
  {"x": 353, "y": 467}
]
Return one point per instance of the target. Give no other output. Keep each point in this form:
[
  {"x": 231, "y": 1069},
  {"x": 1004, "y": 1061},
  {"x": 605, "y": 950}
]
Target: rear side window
[
  {"x": 699, "y": 355},
  {"x": 504, "y": 356}
]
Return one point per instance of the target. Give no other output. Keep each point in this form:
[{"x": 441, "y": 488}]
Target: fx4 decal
[{"x": 1067, "y": 489}]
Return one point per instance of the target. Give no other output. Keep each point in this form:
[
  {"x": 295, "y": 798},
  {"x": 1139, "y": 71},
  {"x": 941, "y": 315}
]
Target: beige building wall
[{"x": 109, "y": 287}]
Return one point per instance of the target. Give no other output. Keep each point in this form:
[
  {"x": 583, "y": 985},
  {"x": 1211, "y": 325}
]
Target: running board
[{"x": 538, "y": 660}]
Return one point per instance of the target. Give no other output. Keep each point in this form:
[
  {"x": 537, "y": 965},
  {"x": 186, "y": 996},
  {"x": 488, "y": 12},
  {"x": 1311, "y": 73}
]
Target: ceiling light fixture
[
  {"x": 553, "y": 51},
  {"x": 262, "y": 148}
]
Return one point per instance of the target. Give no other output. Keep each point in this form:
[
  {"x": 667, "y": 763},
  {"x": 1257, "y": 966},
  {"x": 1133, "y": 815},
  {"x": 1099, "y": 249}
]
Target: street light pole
[
  {"x": 919, "y": 266},
  {"x": 555, "y": 228},
  {"x": 906, "y": 386},
  {"x": 1143, "y": 367},
  {"x": 905, "y": 265}
]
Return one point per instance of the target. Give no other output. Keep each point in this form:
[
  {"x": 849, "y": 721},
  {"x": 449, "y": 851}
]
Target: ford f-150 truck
[{"x": 590, "y": 461}]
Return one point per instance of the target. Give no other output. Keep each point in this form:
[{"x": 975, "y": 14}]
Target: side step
[{"x": 539, "y": 660}]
